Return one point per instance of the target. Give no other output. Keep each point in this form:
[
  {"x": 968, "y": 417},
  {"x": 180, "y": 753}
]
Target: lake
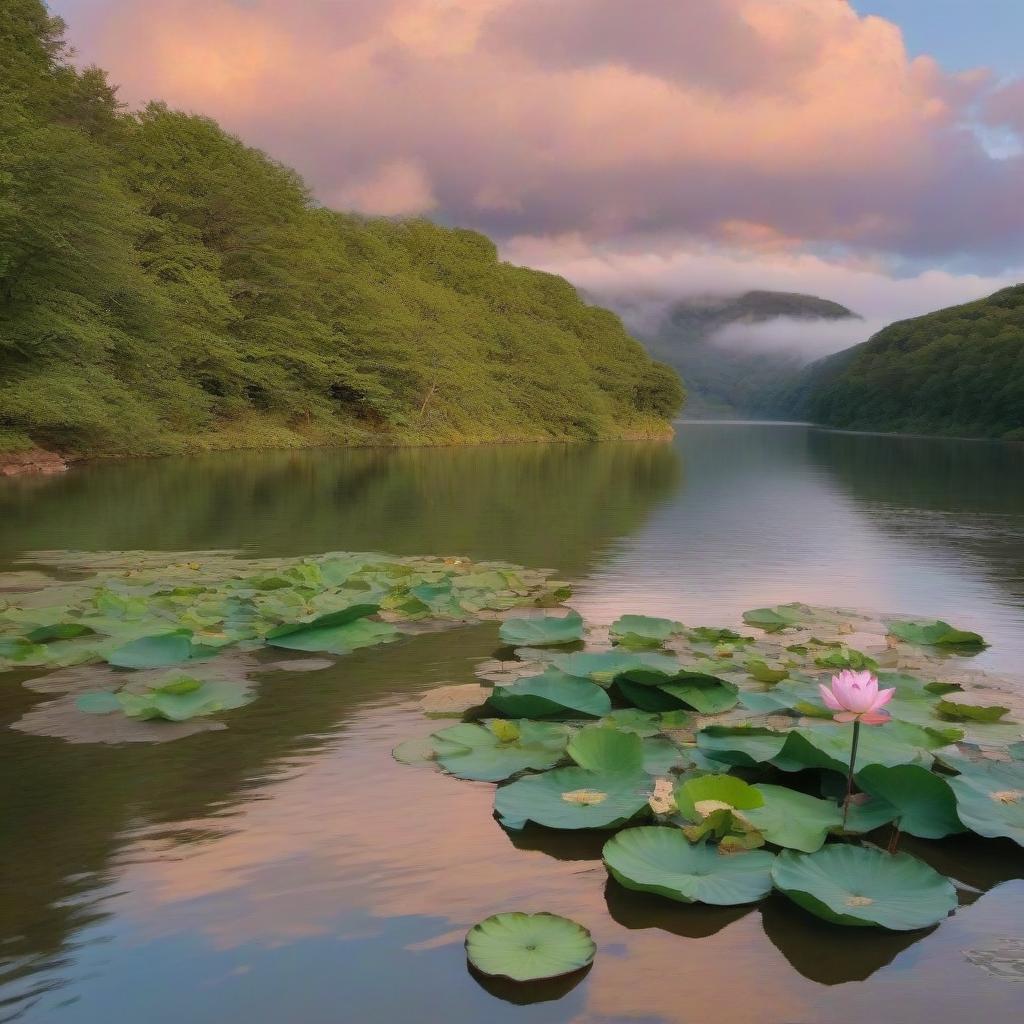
[{"x": 287, "y": 869}]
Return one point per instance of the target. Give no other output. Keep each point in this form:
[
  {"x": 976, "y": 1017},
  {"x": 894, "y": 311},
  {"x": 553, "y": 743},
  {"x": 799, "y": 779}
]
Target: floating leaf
[
  {"x": 794, "y": 820},
  {"x": 642, "y": 631},
  {"x": 415, "y": 751},
  {"x": 936, "y": 633},
  {"x": 607, "y": 750},
  {"x": 605, "y": 666},
  {"x": 99, "y": 703},
  {"x": 845, "y": 657},
  {"x": 184, "y": 699},
  {"x": 741, "y": 744},
  {"x": 923, "y": 800},
  {"x": 643, "y": 723},
  {"x": 971, "y": 712},
  {"x": 697, "y": 798},
  {"x": 483, "y": 754},
  {"x": 661, "y": 756},
  {"x": 335, "y": 638},
  {"x": 59, "y": 631},
  {"x": 706, "y": 694},
  {"x": 154, "y": 651},
  {"x": 764, "y": 672},
  {"x": 771, "y": 620},
  {"x": 713, "y": 635},
  {"x": 547, "y": 631},
  {"x": 660, "y": 860},
  {"x": 855, "y": 885},
  {"x": 529, "y": 947},
  {"x": 828, "y": 746},
  {"x": 550, "y": 693},
  {"x": 572, "y": 798},
  {"x": 990, "y": 799}
]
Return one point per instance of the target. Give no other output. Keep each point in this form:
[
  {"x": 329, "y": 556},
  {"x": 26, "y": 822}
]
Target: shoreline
[{"x": 42, "y": 462}]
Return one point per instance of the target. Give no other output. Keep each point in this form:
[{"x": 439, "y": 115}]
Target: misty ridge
[{"x": 741, "y": 353}]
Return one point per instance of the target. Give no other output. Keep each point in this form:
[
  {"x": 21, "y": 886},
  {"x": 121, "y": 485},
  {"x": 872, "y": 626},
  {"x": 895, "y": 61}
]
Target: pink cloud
[{"x": 791, "y": 122}]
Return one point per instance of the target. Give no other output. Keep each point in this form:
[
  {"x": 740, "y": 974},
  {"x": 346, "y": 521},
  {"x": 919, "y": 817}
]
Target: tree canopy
[
  {"x": 958, "y": 371},
  {"x": 165, "y": 287}
]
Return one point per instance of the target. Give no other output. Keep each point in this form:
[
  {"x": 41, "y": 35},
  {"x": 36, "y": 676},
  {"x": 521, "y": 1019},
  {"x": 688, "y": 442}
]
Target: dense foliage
[
  {"x": 957, "y": 371},
  {"x": 730, "y": 380},
  {"x": 163, "y": 286}
]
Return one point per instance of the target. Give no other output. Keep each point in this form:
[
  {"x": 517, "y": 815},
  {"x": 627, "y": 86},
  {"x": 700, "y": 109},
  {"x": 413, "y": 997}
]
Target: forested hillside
[
  {"x": 164, "y": 287},
  {"x": 958, "y": 371},
  {"x": 731, "y": 380}
]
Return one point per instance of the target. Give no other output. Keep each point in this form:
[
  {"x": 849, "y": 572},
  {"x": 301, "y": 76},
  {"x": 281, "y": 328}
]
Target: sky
[{"x": 871, "y": 152}]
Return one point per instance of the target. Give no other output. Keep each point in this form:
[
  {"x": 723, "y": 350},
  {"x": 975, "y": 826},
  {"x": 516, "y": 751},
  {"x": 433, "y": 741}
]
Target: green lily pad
[
  {"x": 846, "y": 657},
  {"x": 572, "y": 798},
  {"x": 862, "y": 886},
  {"x": 182, "y": 699},
  {"x": 498, "y": 750},
  {"x": 606, "y": 666},
  {"x": 59, "y": 631},
  {"x": 936, "y": 633},
  {"x": 771, "y": 620},
  {"x": 828, "y": 746},
  {"x": 794, "y": 820},
  {"x": 337, "y": 638},
  {"x": 713, "y": 635},
  {"x": 742, "y": 745},
  {"x": 706, "y": 694},
  {"x": 923, "y": 800},
  {"x": 550, "y": 693},
  {"x": 695, "y": 797},
  {"x": 643, "y": 723},
  {"x": 764, "y": 672},
  {"x": 990, "y": 799},
  {"x": 154, "y": 651},
  {"x": 529, "y": 947},
  {"x": 548, "y": 631},
  {"x": 101, "y": 702},
  {"x": 662, "y": 756},
  {"x": 661, "y": 860},
  {"x": 637, "y": 631},
  {"x": 607, "y": 750},
  {"x": 957, "y": 712}
]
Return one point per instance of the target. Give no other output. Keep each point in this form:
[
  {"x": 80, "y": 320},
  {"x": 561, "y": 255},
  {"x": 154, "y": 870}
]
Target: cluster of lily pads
[
  {"x": 713, "y": 758},
  {"x": 167, "y": 625}
]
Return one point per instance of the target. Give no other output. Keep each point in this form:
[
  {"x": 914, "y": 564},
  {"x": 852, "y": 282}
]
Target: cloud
[
  {"x": 764, "y": 125},
  {"x": 641, "y": 278},
  {"x": 399, "y": 188}
]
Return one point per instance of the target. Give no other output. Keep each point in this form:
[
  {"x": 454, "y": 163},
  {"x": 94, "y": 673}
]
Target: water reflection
[
  {"x": 289, "y": 869},
  {"x": 542, "y": 505}
]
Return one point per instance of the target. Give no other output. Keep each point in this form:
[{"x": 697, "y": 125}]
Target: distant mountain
[
  {"x": 958, "y": 371},
  {"x": 731, "y": 379}
]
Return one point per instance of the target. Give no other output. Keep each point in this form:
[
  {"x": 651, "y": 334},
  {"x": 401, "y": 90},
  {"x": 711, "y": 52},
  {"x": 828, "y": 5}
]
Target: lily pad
[
  {"x": 662, "y": 861},
  {"x": 794, "y": 820},
  {"x": 696, "y": 798},
  {"x": 547, "y": 631},
  {"x": 990, "y": 799},
  {"x": 742, "y": 745},
  {"x": 336, "y": 638},
  {"x": 600, "y": 749},
  {"x": 184, "y": 698},
  {"x": 550, "y": 693},
  {"x": 924, "y": 802},
  {"x": 938, "y": 633},
  {"x": 846, "y": 657},
  {"x": 706, "y": 694},
  {"x": 863, "y": 886},
  {"x": 529, "y": 947},
  {"x": 605, "y": 666},
  {"x": 970, "y": 712},
  {"x": 766, "y": 672},
  {"x": 638, "y": 631},
  {"x": 154, "y": 651},
  {"x": 771, "y": 620},
  {"x": 572, "y": 798},
  {"x": 499, "y": 749}
]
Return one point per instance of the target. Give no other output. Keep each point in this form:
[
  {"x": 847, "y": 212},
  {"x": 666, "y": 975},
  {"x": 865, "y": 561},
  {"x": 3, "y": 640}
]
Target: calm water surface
[{"x": 288, "y": 870}]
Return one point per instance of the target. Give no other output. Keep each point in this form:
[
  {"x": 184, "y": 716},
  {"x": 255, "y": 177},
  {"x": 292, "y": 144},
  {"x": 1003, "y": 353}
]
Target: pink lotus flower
[{"x": 855, "y": 697}]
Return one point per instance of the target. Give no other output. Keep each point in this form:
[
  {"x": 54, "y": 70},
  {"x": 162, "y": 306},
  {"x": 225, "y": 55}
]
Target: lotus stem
[
  {"x": 849, "y": 774},
  {"x": 894, "y": 839}
]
